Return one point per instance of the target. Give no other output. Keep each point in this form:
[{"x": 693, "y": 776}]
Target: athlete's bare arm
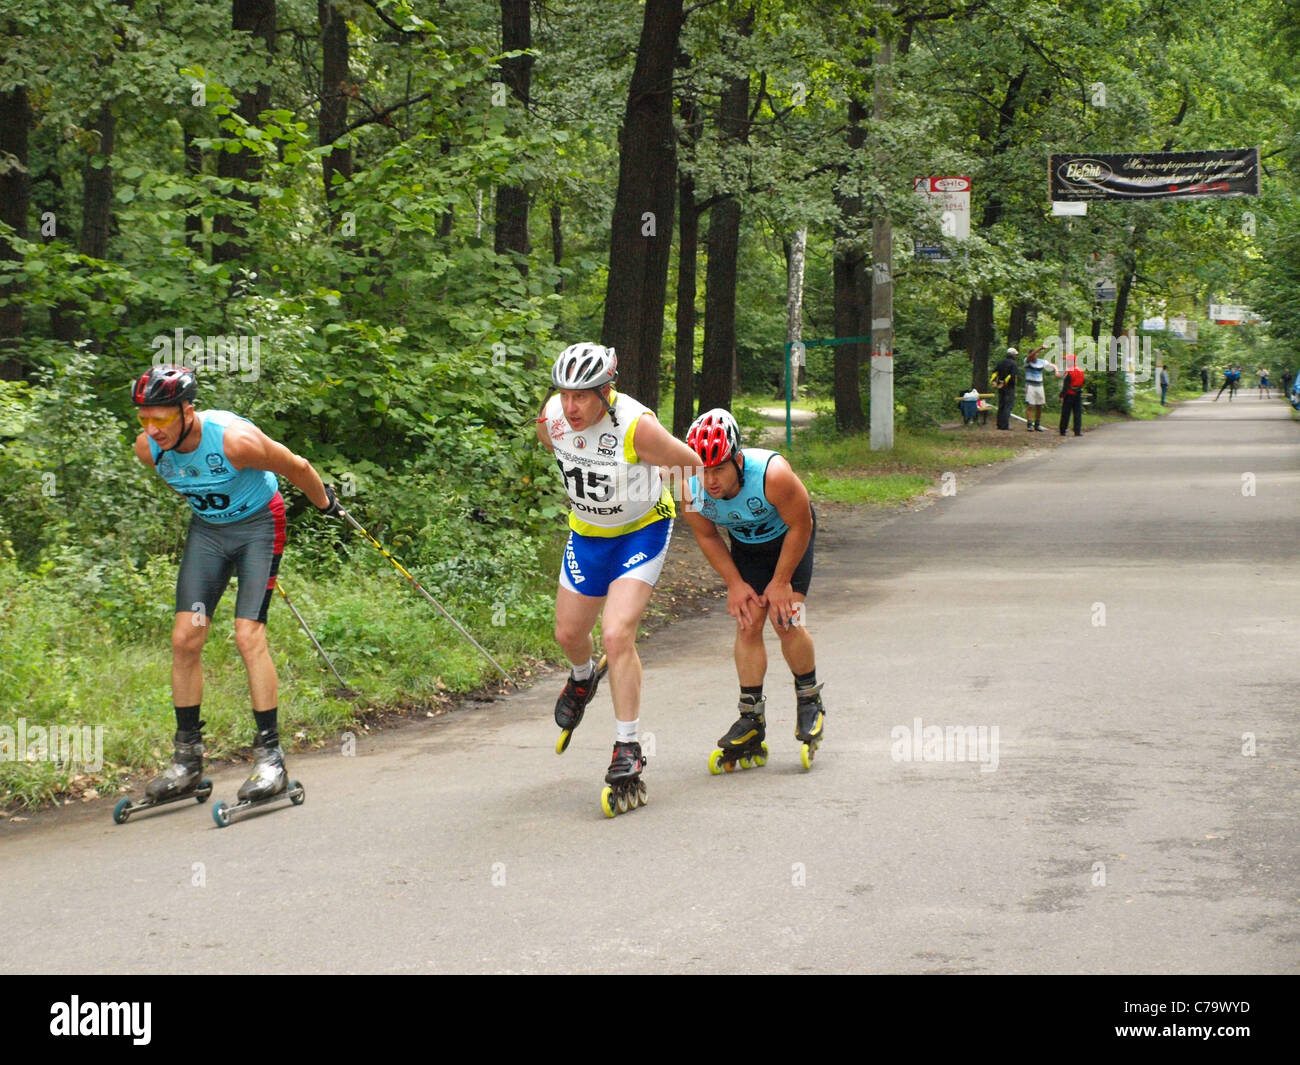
[
  {"x": 787, "y": 493},
  {"x": 247, "y": 447},
  {"x": 743, "y": 602}
]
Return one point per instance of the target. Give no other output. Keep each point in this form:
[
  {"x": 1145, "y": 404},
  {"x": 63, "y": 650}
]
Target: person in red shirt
[{"x": 1072, "y": 397}]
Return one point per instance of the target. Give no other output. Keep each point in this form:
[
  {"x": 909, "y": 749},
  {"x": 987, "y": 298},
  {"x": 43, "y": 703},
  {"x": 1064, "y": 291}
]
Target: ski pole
[
  {"x": 420, "y": 588},
  {"x": 280, "y": 588}
]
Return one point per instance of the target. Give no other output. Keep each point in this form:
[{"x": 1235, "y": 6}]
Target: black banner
[{"x": 1155, "y": 175}]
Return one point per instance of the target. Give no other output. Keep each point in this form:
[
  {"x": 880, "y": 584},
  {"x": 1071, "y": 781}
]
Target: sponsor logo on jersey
[
  {"x": 596, "y": 510},
  {"x": 557, "y": 428},
  {"x": 640, "y": 556},
  {"x": 579, "y": 442},
  {"x": 755, "y": 505},
  {"x": 608, "y": 440},
  {"x": 608, "y": 452}
]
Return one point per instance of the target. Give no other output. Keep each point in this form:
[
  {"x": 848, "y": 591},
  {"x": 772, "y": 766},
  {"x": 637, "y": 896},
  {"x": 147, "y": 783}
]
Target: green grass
[
  {"x": 884, "y": 488},
  {"x": 65, "y": 661}
]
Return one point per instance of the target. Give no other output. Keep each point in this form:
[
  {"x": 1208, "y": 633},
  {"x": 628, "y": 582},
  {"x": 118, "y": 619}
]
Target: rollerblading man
[
  {"x": 608, "y": 448},
  {"x": 756, "y": 497}
]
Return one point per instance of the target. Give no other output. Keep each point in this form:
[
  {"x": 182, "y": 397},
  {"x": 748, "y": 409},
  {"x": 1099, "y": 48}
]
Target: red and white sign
[{"x": 949, "y": 198}]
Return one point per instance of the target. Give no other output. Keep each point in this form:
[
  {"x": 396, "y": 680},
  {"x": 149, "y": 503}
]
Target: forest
[{"x": 370, "y": 226}]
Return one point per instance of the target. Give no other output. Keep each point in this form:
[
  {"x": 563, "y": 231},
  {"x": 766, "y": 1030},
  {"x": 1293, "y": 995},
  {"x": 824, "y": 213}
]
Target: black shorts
[
  {"x": 757, "y": 562},
  {"x": 249, "y": 549}
]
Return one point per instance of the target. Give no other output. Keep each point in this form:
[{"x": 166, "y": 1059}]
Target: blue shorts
[{"x": 592, "y": 563}]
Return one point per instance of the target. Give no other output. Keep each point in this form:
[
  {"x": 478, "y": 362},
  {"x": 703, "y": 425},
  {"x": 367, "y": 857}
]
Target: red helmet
[
  {"x": 714, "y": 436},
  {"x": 165, "y": 386}
]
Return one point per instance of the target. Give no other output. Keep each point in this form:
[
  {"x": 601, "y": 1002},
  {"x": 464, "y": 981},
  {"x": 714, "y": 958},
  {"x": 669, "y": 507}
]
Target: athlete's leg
[
  {"x": 263, "y": 684},
  {"x": 575, "y": 617},
  {"x": 751, "y": 655},
  {"x": 796, "y": 644},
  {"x": 189, "y": 633},
  {"x": 628, "y": 597},
  {"x": 202, "y": 578}
]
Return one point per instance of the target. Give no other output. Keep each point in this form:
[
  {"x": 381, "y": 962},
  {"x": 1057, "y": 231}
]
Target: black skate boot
[
  {"x": 809, "y": 722},
  {"x": 625, "y": 790},
  {"x": 744, "y": 743},
  {"x": 268, "y": 778},
  {"x": 573, "y": 701},
  {"x": 183, "y": 779},
  {"x": 268, "y": 781}
]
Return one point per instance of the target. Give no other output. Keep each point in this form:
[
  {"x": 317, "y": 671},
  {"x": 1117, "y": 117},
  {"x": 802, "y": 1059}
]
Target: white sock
[
  {"x": 584, "y": 672},
  {"x": 627, "y": 731}
]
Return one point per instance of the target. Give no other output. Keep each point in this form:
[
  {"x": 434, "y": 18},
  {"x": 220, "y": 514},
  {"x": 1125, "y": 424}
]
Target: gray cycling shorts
[{"x": 248, "y": 549}]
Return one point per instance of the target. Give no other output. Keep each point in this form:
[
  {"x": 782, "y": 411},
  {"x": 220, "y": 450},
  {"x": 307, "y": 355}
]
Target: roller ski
[
  {"x": 743, "y": 745},
  {"x": 624, "y": 790},
  {"x": 183, "y": 779},
  {"x": 573, "y": 701},
  {"x": 269, "y": 782},
  {"x": 810, "y": 718}
]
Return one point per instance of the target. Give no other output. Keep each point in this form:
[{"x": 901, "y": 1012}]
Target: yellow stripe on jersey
[
  {"x": 629, "y": 442},
  {"x": 661, "y": 510}
]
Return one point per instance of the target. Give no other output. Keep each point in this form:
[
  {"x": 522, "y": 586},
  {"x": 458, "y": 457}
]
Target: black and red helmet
[
  {"x": 714, "y": 436},
  {"x": 165, "y": 386}
]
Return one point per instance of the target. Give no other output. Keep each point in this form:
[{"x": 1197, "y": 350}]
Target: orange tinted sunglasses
[{"x": 159, "y": 423}]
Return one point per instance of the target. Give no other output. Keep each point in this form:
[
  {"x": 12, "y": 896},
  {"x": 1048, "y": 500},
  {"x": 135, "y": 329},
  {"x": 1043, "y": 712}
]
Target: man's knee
[
  {"x": 189, "y": 633},
  {"x": 250, "y": 637}
]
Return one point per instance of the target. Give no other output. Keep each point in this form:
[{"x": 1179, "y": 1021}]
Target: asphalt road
[{"x": 1121, "y": 610}]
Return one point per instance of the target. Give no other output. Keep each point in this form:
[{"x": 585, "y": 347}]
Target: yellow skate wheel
[
  {"x": 605, "y": 801},
  {"x": 622, "y": 802},
  {"x": 806, "y": 756},
  {"x": 562, "y": 744},
  {"x": 761, "y": 759},
  {"x": 745, "y": 763},
  {"x": 715, "y": 762}
]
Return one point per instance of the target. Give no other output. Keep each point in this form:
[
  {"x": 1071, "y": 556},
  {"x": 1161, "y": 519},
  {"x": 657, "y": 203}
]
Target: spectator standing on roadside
[
  {"x": 1004, "y": 382},
  {"x": 1035, "y": 397}
]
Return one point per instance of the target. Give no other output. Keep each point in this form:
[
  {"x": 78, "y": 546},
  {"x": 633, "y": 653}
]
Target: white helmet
[
  {"x": 584, "y": 365},
  {"x": 1012, "y": 351}
]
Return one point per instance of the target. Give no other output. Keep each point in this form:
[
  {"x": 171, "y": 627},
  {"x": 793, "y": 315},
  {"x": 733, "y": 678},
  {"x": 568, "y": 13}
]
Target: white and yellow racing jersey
[{"x": 611, "y": 491}]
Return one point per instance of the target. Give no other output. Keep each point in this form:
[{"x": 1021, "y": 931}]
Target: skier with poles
[
  {"x": 226, "y": 468},
  {"x": 609, "y": 449}
]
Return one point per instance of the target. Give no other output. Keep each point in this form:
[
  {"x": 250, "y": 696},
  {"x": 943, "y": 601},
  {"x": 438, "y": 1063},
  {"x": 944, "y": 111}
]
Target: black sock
[
  {"x": 751, "y": 694},
  {"x": 187, "y": 718},
  {"x": 266, "y": 723},
  {"x": 805, "y": 680}
]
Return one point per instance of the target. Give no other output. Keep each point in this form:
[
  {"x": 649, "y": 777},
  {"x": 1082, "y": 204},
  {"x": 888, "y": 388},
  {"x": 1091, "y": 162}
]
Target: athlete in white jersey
[{"x": 608, "y": 448}]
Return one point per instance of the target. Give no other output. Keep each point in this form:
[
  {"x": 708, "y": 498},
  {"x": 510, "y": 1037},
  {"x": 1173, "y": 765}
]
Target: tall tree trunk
[
  {"x": 979, "y": 312},
  {"x": 798, "y": 246},
  {"x": 688, "y": 227},
  {"x": 334, "y": 96},
  {"x": 15, "y": 191},
  {"x": 512, "y": 200},
  {"x": 851, "y": 286},
  {"x": 557, "y": 244},
  {"x": 256, "y": 17},
  {"x": 642, "y": 228},
  {"x": 96, "y": 216},
  {"x": 193, "y": 168},
  {"x": 1021, "y": 324},
  {"x": 448, "y": 218},
  {"x": 717, "y": 372}
]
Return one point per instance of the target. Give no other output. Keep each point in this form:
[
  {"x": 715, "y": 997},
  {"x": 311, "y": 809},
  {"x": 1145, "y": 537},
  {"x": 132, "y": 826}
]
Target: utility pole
[{"x": 882, "y": 277}]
